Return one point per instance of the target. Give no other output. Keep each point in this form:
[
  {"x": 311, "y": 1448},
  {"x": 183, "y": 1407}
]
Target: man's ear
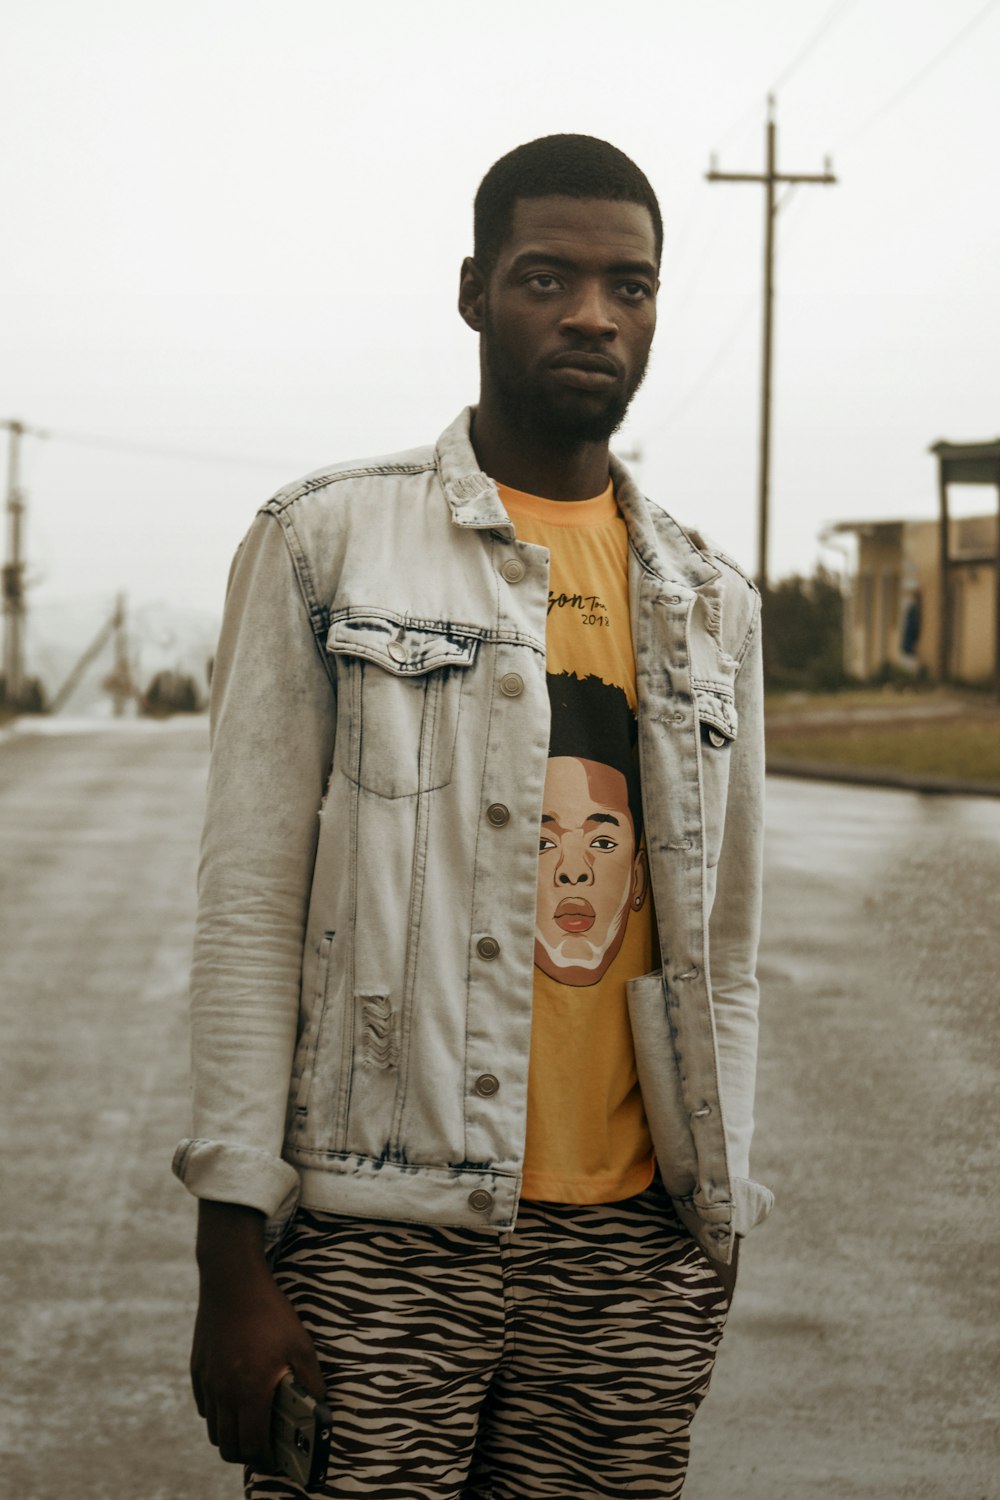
[{"x": 472, "y": 294}]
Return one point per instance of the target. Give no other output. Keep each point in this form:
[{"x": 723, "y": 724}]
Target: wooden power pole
[
  {"x": 13, "y": 575},
  {"x": 770, "y": 178}
]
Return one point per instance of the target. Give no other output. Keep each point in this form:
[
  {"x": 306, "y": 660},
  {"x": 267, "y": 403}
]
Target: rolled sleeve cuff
[
  {"x": 752, "y": 1202},
  {"x": 238, "y": 1174},
  {"x": 716, "y": 1225}
]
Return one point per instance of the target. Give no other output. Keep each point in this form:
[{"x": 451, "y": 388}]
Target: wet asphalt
[{"x": 863, "y": 1350}]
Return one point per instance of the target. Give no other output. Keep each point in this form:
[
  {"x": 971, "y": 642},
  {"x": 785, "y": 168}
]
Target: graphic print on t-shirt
[
  {"x": 587, "y": 1139},
  {"x": 592, "y": 870}
]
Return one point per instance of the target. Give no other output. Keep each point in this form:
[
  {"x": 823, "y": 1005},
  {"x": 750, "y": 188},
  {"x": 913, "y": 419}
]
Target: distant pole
[
  {"x": 944, "y": 576},
  {"x": 13, "y": 576},
  {"x": 996, "y": 598},
  {"x": 122, "y": 688},
  {"x": 764, "y": 477},
  {"x": 769, "y": 178}
]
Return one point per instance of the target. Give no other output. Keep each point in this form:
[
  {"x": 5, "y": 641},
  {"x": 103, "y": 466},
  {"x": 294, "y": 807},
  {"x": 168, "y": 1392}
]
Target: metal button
[
  {"x": 480, "y": 1200},
  {"x": 717, "y": 739},
  {"x": 396, "y": 650},
  {"x": 497, "y": 814},
  {"x": 487, "y": 1085},
  {"x": 488, "y": 947},
  {"x": 513, "y": 570},
  {"x": 511, "y": 685}
]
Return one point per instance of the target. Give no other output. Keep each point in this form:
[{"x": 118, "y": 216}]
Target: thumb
[{"x": 306, "y": 1369}]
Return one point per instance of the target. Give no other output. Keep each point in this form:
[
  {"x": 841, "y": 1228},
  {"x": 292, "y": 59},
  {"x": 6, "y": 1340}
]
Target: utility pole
[
  {"x": 13, "y": 575},
  {"x": 119, "y": 683},
  {"x": 770, "y": 178}
]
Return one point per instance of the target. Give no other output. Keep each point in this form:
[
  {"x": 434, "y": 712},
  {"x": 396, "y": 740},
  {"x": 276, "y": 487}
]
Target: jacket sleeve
[
  {"x": 273, "y": 718},
  {"x": 734, "y": 931}
]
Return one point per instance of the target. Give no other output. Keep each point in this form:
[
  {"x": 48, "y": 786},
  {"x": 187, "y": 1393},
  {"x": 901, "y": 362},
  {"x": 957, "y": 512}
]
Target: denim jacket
[{"x": 363, "y": 968}]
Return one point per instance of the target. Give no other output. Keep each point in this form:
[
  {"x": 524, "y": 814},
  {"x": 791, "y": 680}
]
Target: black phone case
[{"x": 300, "y": 1433}]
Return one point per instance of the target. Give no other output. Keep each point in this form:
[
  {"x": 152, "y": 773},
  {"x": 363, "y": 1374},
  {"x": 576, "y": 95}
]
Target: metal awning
[{"x": 969, "y": 463}]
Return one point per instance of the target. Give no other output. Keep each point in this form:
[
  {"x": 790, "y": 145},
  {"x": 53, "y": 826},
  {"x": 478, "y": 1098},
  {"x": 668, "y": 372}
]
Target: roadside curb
[{"x": 904, "y": 781}]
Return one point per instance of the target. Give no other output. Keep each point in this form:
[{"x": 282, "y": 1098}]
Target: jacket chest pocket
[
  {"x": 717, "y": 724},
  {"x": 399, "y": 700}
]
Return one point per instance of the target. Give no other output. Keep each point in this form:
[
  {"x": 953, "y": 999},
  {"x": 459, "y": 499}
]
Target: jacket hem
[{"x": 366, "y": 1188}]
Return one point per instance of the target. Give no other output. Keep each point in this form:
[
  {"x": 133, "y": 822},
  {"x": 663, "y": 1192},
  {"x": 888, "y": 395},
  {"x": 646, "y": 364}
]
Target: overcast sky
[{"x": 235, "y": 227}]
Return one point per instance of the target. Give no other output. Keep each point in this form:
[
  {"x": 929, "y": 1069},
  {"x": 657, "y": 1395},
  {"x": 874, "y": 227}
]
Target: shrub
[
  {"x": 171, "y": 693},
  {"x": 804, "y": 633}
]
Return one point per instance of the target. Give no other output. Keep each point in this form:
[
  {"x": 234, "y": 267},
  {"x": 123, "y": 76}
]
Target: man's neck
[{"x": 526, "y": 462}]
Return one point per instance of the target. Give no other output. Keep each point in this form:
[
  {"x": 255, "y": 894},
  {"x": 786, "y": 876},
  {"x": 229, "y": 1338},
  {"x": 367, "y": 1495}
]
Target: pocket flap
[
  {"x": 402, "y": 647},
  {"x": 717, "y": 715}
]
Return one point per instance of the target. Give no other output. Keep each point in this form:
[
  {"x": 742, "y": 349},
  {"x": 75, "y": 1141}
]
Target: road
[{"x": 862, "y": 1352}]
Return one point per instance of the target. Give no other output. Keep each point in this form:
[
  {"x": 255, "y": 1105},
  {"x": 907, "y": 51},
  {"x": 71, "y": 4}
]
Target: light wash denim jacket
[{"x": 363, "y": 970}]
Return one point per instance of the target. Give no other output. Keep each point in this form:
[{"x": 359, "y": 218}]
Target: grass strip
[{"x": 964, "y": 750}]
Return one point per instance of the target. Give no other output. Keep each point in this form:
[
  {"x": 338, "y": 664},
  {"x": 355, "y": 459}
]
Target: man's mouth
[
  {"x": 573, "y": 914},
  {"x": 587, "y": 372}
]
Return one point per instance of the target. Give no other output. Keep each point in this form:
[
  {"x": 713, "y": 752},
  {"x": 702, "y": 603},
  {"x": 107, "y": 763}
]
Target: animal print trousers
[{"x": 565, "y": 1358}]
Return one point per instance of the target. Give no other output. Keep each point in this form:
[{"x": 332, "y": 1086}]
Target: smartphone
[{"x": 300, "y": 1433}]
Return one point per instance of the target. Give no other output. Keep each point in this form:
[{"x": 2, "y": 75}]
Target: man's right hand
[{"x": 246, "y": 1336}]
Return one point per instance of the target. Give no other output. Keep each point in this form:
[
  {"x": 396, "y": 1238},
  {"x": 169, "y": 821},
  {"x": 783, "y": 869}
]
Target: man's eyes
[
  {"x": 544, "y": 843},
  {"x": 603, "y": 843},
  {"x": 635, "y": 291},
  {"x": 630, "y": 291}
]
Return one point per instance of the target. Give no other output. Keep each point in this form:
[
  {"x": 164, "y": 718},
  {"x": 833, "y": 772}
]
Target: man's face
[
  {"x": 590, "y": 875},
  {"x": 568, "y": 316}
]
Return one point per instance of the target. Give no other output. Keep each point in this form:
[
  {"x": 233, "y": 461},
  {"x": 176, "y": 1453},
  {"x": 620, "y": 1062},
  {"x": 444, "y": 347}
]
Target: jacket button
[
  {"x": 716, "y": 739},
  {"x": 486, "y": 1085},
  {"x": 497, "y": 814},
  {"x": 396, "y": 650},
  {"x": 488, "y": 947},
  {"x": 480, "y": 1200},
  {"x": 511, "y": 685},
  {"x": 513, "y": 570},
  {"x": 700, "y": 1114}
]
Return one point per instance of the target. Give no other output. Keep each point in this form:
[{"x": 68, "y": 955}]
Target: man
[{"x": 501, "y": 1201}]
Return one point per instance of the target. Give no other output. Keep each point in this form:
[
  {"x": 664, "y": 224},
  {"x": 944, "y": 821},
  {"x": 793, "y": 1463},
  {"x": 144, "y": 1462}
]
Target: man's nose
[{"x": 592, "y": 315}]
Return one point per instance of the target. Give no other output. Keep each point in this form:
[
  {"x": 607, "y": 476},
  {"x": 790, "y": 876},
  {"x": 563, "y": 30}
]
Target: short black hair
[
  {"x": 592, "y": 720},
  {"x": 564, "y": 166}
]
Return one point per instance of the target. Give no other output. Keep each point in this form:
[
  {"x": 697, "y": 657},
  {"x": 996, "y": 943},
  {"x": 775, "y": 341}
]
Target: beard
[{"x": 555, "y": 417}]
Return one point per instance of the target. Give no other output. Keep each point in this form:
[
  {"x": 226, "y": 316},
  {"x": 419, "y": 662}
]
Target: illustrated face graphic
[{"x": 590, "y": 874}]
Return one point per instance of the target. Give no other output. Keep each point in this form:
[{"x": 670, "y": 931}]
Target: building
[
  {"x": 926, "y": 594},
  {"x": 893, "y": 612}
]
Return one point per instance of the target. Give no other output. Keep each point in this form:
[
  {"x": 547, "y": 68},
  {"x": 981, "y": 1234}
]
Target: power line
[
  {"x": 836, "y": 13},
  {"x": 833, "y": 15},
  {"x": 701, "y": 380},
  {"x": 919, "y": 77},
  {"x": 158, "y": 450}
]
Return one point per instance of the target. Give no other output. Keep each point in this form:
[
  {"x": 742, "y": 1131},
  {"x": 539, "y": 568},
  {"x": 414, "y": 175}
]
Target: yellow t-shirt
[{"x": 587, "y": 1136}]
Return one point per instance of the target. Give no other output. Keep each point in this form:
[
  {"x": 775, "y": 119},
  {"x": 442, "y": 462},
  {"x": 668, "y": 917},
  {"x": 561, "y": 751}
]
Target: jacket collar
[
  {"x": 662, "y": 547},
  {"x": 471, "y": 494}
]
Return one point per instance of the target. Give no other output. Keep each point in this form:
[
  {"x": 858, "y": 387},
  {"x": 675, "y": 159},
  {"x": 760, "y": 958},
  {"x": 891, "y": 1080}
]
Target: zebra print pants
[{"x": 564, "y": 1359}]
